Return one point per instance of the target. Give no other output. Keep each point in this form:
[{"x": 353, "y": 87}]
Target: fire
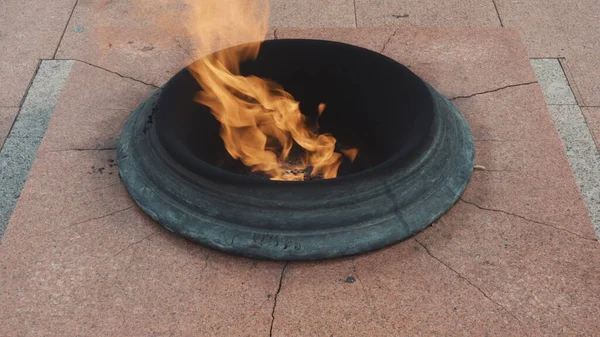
[{"x": 261, "y": 123}]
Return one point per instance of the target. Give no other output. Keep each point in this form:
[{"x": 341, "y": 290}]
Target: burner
[{"x": 415, "y": 156}]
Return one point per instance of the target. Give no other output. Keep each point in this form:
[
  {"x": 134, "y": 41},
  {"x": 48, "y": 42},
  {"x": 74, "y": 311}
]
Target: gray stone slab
[
  {"x": 580, "y": 148},
  {"x": 583, "y": 155},
  {"x": 20, "y": 148},
  {"x": 553, "y": 81}
]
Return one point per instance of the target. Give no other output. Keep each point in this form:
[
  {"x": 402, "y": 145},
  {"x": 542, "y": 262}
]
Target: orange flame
[{"x": 260, "y": 121}]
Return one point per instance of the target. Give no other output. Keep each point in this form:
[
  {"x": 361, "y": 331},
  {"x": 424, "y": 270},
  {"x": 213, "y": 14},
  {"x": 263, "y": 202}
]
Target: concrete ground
[{"x": 516, "y": 256}]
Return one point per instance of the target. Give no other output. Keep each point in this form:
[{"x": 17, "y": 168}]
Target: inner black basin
[{"x": 373, "y": 103}]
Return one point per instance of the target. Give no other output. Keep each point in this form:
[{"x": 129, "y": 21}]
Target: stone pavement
[
  {"x": 516, "y": 256},
  {"x": 117, "y": 36}
]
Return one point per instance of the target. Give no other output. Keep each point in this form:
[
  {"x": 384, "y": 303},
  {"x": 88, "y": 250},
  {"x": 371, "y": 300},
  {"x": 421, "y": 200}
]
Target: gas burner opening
[{"x": 371, "y": 103}]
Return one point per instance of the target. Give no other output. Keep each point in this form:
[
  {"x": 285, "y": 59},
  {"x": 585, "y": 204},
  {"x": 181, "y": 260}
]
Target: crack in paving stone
[
  {"x": 96, "y": 189},
  {"x": 181, "y": 47},
  {"x": 495, "y": 170},
  {"x": 119, "y": 182},
  {"x": 82, "y": 222},
  {"x": 494, "y": 90},
  {"x": 497, "y": 140},
  {"x": 262, "y": 304},
  {"x": 473, "y": 285},
  {"x": 526, "y": 219},
  {"x": 82, "y": 149},
  {"x": 562, "y": 62},
  {"x": 355, "y": 15},
  {"x": 100, "y": 188},
  {"x": 135, "y": 243},
  {"x": 498, "y": 13},
  {"x": 110, "y": 71},
  {"x": 388, "y": 41},
  {"x": 20, "y": 106},
  {"x": 275, "y": 34},
  {"x": 65, "y": 29},
  {"x": 283, "y": 270},
  {"x": 97, "y": 218}
]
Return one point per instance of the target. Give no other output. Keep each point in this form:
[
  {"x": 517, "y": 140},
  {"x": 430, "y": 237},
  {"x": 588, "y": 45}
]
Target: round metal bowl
[{"x": 415, "y": 159}]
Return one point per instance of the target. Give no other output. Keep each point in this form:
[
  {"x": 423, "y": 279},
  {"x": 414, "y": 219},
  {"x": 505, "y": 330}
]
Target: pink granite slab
[
  {"x": 32, "y": 29},
  {"x": 370, "y": 38},
  {"x": 553, "y": 28},
  {"x": 115, "y": 36},
  {"x": 569, "y": 29},
  {"x": 398, "y": 291},
  {"x": 521, "y": 152},
  {"x": 87, "y": 261},
  {"x": 517, "y": 257},
  {"x": 426, "y": 13},
  {"x": 143, "y": 40},
  {"x": 18, "y": 74},
  {"x": 312, "y": 13},
  {"x": 548, "y": 279},
  {"x": 584, "y": 70},
  {"x": 29, "y": 31},
  {"x": 97, "y": 117},
  {"x": 427, "y": 51}
]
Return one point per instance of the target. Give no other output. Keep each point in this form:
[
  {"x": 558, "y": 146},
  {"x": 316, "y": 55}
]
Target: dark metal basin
[{"x": 415, "y": 159}]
